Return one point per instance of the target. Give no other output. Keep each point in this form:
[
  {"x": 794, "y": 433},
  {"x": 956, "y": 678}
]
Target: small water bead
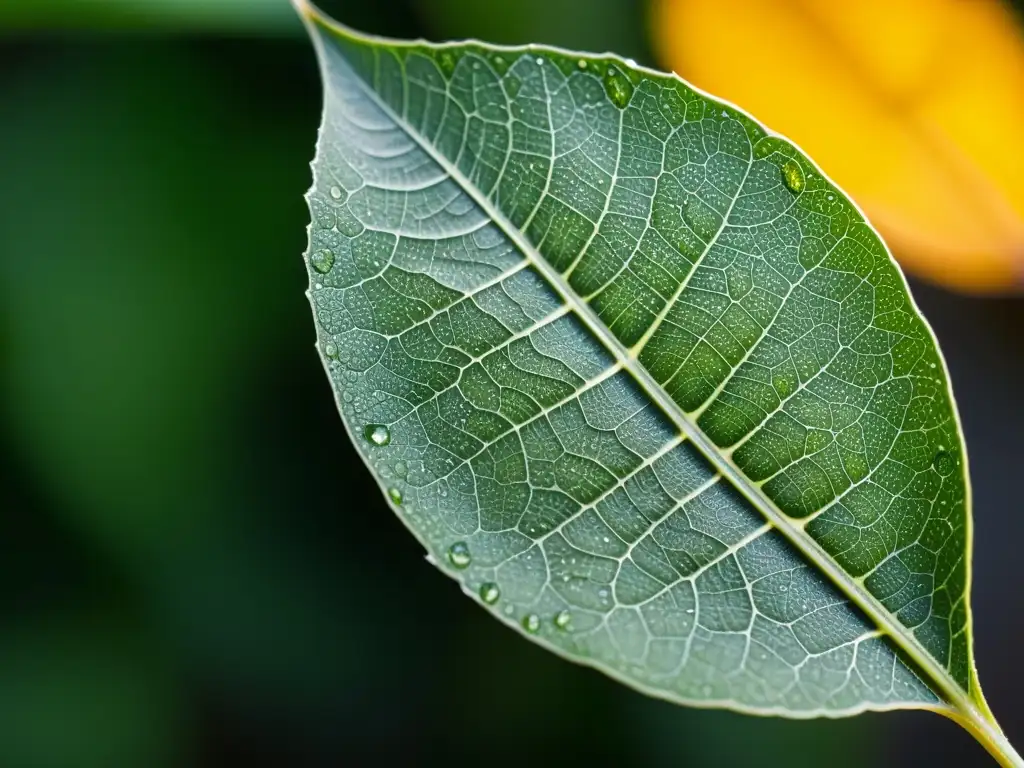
[
  {"x": 336, "y": 192},
  {"x": 618, "y": 88},
  {"x": 562, "y": 619},
  {"x": 447, "y": 60},
  {"x": 540, "y": 60},
  {"x": 943, "y": 462},
  {"x": 581, "y": 63},
  {"x": 489, "y": 592},
  {"x": 331, "y": 350},
  {"x": 322, "y": 260},
  {"x": 396, "y": 496},
  {"x": 458, "y": 555},
  {"x": 783, "y": 386},
  {"x": 793, "y": 176},
  {"x": 378, "y": 434},
  {"x": 531, "y": 623}
]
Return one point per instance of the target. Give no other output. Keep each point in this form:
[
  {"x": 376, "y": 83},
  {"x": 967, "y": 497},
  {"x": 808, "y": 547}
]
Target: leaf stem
[{"x": 981, "y": 725}]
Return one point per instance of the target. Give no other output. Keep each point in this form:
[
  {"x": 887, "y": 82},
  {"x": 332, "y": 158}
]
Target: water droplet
[
  {"x": 489, "y": 592},
  {"x": 793, "y": 176},
  {"x": 512, "y": 85},
  {"x": 322, "y": 260},
  {"x": 396, "y": 496},
  {"x": 944, "y": 463},
  {"x": 931, "y": 365},
  {"x": 531, "y": 623},
  {"x": 540, "y": 60},
  {"x": 458, "y": 554},
  {"x": 783, "y": 386},
  {"x": 510, "y": 609},
  {"x": 336, "y": 192},
  {"x": 330, "y": 349},
  {"x": 377, "y": 434},
  {"x": 447, "y": 60},
  {"x": 581, "y": 63},
  {"x": 618, "y": 88},
  {"x": 562, "y": 619}
]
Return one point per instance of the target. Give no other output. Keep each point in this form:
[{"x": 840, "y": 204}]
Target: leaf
[
  {"x": 640, "y": 378},
  {"x": 919, "y": 104}
]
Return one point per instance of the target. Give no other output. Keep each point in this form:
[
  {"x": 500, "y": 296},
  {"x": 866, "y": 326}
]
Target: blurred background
[{"x": 195, "y": 568}]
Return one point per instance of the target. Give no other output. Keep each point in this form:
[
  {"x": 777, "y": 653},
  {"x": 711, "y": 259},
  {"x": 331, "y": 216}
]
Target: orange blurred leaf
[{"x": 916, "y": 107}]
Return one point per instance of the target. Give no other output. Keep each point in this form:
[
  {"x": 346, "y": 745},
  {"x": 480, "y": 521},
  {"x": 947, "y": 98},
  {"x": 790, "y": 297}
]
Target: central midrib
[{"x": 936, "y": 675}]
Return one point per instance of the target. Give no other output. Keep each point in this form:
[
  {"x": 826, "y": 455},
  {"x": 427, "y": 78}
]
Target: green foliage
[
  {"x": 242, "y": 15},
  {"x": 640, "y": 377}
]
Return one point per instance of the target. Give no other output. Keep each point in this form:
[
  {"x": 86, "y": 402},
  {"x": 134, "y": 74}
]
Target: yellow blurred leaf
[{"x": 915, "y": 107}]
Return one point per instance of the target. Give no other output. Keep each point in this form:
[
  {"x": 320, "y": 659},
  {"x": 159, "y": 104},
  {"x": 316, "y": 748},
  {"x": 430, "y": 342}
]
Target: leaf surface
[
  {"x": 639, "y": 377},
  {"x": 896, "y": 93}
]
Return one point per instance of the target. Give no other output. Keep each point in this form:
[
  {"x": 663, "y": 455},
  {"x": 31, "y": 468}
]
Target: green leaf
[{"x": 641, "y": 378}]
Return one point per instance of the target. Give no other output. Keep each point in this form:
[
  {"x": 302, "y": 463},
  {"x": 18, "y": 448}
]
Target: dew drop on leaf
[
  {"x": 489, "y": 592},
  {"x": 562, "y": 619},
  {"x": 618, "y": 88},
  {"x": 331, "y": 350},
  {"x": 447, "y": 61},
  {"x": 531, "y": 623},
  {"x": 783, "y": 386},
  {"x": 396, "y": 496},
  {"x": 793, "y": 176},
  {"x": 336, "y": 192},
  {"x": 377, "y": 434},
  {"x": 322, "y": 260},
  {"x": 458, "y": 554},
  {"x": 943, "y": 463}
]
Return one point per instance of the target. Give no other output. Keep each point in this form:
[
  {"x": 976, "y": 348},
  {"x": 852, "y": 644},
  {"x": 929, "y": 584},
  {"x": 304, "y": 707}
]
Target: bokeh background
[{"x": 195, "y": 568}]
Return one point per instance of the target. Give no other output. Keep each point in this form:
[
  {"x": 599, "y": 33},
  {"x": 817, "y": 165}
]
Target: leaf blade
[{"x": 576, "y": 280}]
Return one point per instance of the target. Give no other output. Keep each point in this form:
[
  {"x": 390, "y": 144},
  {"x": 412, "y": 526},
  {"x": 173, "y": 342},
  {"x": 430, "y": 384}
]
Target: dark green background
[{"x": 195, "y": 568}]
